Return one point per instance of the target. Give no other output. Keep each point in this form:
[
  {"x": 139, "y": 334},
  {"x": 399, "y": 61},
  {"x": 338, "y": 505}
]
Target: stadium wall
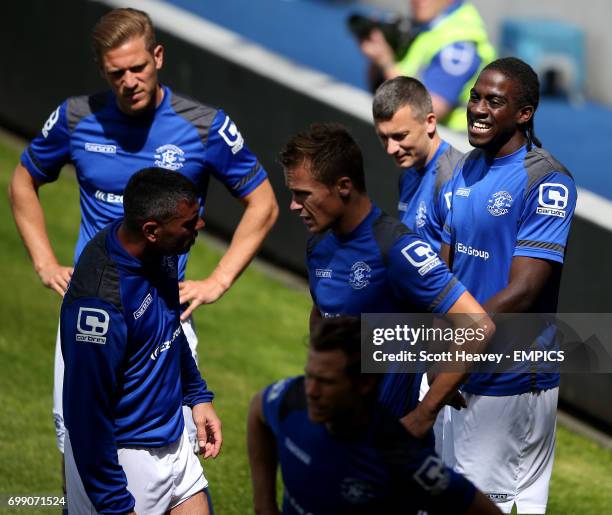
[{"x": 44, "y": 58}]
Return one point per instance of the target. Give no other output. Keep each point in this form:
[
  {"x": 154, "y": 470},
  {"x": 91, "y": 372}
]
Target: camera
[{"x": 398, "y": 31}]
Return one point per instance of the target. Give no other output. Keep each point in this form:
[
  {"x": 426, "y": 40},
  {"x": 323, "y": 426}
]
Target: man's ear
[
  {"x": 158, "y": 56},
  {"x": 525, "y": 114},
  {"x": 344, "y": 186},
  {"x": 150, "y": 230}
]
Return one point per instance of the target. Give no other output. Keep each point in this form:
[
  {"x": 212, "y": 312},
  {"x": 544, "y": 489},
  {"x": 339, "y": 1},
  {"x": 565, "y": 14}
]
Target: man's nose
[
  {"x": 392, "y": 147},
  {"x": 295, "y": 206},
  {"x": 129, "y": 80}
]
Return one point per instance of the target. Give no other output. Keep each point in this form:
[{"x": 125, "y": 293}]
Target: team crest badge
[
  {"x": 356, "y": 491},
  {"x": 421, "y": 215},
  {"x": 169, "y": 157},
  {"x": 499, "y": 203},
  {"x": 360, "y": 275}
]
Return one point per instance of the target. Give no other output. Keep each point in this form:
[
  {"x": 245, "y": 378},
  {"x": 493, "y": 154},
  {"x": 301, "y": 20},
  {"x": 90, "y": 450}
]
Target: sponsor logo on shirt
[
  {"x": 297, "y": 452},
  {"x": 471, "y": 251},
  {"x": 323, "y": 272},
  {"x": 421, "y": 215},
  {"x": 100, "y": 148},
  {"x": 497, "y": 497},
  {"x": 167, "y": 344},
  {"x": 432, "y": 475},
  {"x": 92, "y": 325},
  {"x": 463, "y": 192},
  {"x": 51, "y": 121},
  {"x": 420, "y": 255},
  {"x": 552, "y": 199},
  {"x": 231, "y": 135},
  {"x": 169, "y": 157},
  {"x": 143, "y": 307},
  {"x": 499, "y": 203},
  {"x": 360, "y": 275},
  {"x": 111, "y": 198},
  {"x": 356, "y": 491}
]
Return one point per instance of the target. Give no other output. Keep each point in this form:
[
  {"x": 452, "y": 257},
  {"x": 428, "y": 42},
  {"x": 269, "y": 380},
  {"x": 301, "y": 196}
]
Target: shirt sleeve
[
  {"x": 440, "y": 489},
  {"x": 545, "y": 221},
  {"x": 272, "y": 399},
  {"x": 450, "y": 70},
  {"x": 195, "y": 389},
  {"x": 231, "y": 161},
  {"x": 421, "y": 277},
  {"x": 94, "y": 339},
  {"x": 50, "y": 150}
]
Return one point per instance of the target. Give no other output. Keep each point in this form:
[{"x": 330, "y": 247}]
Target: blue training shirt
[
  {"x": 107, "y": 147},
  {"x": 128, "y": 366},
  {"x": 380, "y": 267},
  {"x": 378, "y": 468},
  {"x": 419, "y": 207},
  {"x": 517, "y": 205}
]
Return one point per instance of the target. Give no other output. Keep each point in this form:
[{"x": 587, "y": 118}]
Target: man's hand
[
  {"x": 457, "y": 401},
  {"x": 55, "y": 276},
  {"x": 419, "y": 421},
  {"x": 201, "y": 292},
  {"x": 208, "y": 426},
  {"x": 377, "y": 50}
]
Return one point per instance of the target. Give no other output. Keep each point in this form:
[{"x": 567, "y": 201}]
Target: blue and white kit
[
  {"x": 379, "y": 469},
  {"x": 107, "y": 147},
  {"x": 380, "y": 267},
  {"x": 128, "y": 366},
  {"x": 419, "y": 206},
  {"x": 519, "y": 205}
]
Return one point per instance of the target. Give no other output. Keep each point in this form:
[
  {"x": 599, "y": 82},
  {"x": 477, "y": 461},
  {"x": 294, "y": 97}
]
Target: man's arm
[
  {"x": 527, "y": 278},
  {"x": 444, "y": 386},
  {"x": 30, "y": 222},
  {"x": 315, "y": 317},
  {"x": 263, "y": 460},
  {"x": 261, "y": 211}
]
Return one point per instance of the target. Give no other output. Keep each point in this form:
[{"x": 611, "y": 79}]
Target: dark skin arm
[
  {"x": 315, "y": 317},
  {"x": 482, "y": 505},
  {"x": 263, "y": 460}
]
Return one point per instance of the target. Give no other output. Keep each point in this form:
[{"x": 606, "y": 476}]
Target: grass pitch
[{"x": 254, "y": 335}]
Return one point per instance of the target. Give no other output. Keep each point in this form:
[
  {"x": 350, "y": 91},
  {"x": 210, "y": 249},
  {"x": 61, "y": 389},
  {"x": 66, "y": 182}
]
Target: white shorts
[
  {"x": 506, "y": 446},
  {"x": 58, "y": 388},
  {"x": 159, "y": 478},
  {"x": 442, "y": 428}
]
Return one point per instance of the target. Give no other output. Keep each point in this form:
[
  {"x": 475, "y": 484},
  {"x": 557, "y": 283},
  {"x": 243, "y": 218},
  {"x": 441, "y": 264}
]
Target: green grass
[{"x": 252, "y": 336}]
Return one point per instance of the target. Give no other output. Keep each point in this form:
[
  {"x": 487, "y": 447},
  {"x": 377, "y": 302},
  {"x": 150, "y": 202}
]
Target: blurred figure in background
[
  {"x": 449, "y": 45},
  {"x": 339, "y": 451}
]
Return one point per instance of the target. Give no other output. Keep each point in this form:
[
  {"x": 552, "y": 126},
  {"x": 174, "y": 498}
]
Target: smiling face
[
  {"x": 131, "y": 72},
  {"x": 318, "y": 205},
  {"x": 407, "y": 138},
  {"x": 494, "y": 117}
]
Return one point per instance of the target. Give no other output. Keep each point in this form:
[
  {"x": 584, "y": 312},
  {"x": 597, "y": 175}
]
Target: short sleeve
[
  {"x": 50, "y": 150},
  {"x": 451, "y": 69},
  {"x": 272, "y": 398},
  {"x": 546, "y": 218},
  {"x": 230, "y": 160},
  {"x": 419, "y": 275}
]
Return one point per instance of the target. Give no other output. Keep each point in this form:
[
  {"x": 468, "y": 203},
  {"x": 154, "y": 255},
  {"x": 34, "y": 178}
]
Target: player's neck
[
  {"x": 435, "y": 145},
  {"x": 348, "y": 424},
  {"x": 358, "y": 208},
  {"x": 132, "y": 243},
  {"x": 508, "y": 147}
]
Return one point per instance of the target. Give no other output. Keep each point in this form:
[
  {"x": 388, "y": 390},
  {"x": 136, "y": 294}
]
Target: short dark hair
[
  {"x": 328, "y": 151},
  {"x": 154, "y": 194},
  {"x": 118, "y": 26},
  {"x": 528, "y": 85},
  {"x": 396, "y": 93},
  {"x": 340, "y": 333}
]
